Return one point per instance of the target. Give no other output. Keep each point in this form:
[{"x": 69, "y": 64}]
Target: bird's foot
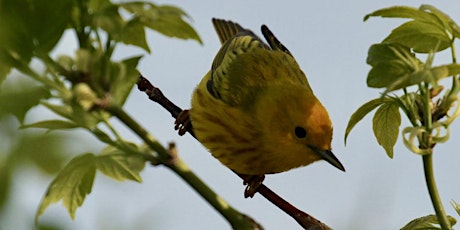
[
  {"x": 253, "y": 183},
  {"x": 182, "y": 123}
]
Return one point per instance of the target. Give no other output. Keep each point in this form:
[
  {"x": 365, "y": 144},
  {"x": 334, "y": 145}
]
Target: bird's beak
[{"x": 328, "y": 156}]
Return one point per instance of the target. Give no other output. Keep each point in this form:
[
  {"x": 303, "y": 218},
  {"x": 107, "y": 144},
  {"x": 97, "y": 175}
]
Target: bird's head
[{"x": 297, "y": 126}]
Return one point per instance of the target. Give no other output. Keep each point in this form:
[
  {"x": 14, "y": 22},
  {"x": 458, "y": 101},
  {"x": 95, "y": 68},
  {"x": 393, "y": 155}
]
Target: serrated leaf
[
  {"x": 71, "y": 185},
  {"x": 120, "y": 166},
  {"x": 422, "y": 37},
  {"x": 429, "y": 222},
  {"x": 386, "y": 124},
  {"x": 51, "y": 124},
  {"x": 400, "y": 12},
  {"x": 361, "y": 112},
  {"x": 165, "y": 19}
]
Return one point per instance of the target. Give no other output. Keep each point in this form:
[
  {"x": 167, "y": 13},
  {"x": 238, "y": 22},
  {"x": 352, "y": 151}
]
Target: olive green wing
[
  {"x": 236, "y": 41},
  {"x": 237, "y": 72}
]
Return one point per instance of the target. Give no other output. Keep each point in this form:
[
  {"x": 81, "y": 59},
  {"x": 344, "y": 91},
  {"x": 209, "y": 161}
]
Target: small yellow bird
[{"x": 255, "y": 110}]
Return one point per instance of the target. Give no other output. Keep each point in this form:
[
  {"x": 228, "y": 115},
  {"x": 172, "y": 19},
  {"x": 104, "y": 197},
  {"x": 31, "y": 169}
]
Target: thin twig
[{"x": 304, "y": 219}]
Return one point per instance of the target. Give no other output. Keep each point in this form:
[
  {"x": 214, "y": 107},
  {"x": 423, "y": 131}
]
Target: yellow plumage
[{"x": 255, "y": 111}]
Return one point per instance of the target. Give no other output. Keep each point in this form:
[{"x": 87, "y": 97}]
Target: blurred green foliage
[
  {"x": 40, "y": 152},
  {"x": 77, "y": 88}
]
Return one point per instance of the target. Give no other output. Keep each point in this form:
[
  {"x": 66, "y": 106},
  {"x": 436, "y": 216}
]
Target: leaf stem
[
  {"x": 434, "y": 195},
  {"x": 428, "y": 161},
  {"x": 236, "y": 219}
]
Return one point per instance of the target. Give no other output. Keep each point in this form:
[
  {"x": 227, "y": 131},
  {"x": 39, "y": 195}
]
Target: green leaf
[
  {"x": 102, "y": 136},
  {"x": 430, "y": 30},
  {"x": 401, "y": 12},
  {"x": 48, "y": 157},
  {"x": 125, "y": 77},
  {"x": 446, "y": 21},
  {"x": 390, "y": 63},
  {"x": 107, "y": 17},
  {"x": 134, "y": 34},
  {"x": 395, "y": 67},
  {"x": 386, "y": 124},
  {"x": 386, "y": 73},
  {"x": 18, "y": 98},
  {"x": 120, "y": 166},
  {"x": 48, "y": 30},
  {"x": 165, "y": 19},
  {"x": 15, "y": 37},
  {"x": 62, "y": 110},
  {"x": 379, "y": 53},
  {"x": 410, "y": 79},
  {"x": 432, "y": 75},
  {"x": 71, "y": 185},
  {"x": 440, "y": 72},
  {"x": 422, "y": 37},
  {"x": 51, "y": 124},
  {"x": 24, "y": 31},
  {"x": 429, "y": 222},
  {"x": 361, "y": 112}
]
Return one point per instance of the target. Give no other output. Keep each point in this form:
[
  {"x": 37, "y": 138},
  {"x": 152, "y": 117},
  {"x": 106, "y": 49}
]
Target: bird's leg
[
  {"x": 253, "y": 183},
  {"x": 182, "y": 122}
]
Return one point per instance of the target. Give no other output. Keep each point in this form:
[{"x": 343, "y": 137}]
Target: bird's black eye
[{"x": 300, "y": 132}]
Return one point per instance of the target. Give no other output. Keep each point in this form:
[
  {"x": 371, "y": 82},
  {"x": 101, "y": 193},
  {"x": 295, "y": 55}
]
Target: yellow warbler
[{"x": 255, "y": 111}]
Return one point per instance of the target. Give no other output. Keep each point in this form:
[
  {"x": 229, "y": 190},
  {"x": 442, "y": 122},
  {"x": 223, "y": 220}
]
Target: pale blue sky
[{"x": 330, "y": 42}]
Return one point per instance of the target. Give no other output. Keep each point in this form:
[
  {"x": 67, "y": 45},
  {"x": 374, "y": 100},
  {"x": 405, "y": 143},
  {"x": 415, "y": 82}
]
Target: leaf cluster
[
  {"x": 80, "y": 88},
  {"x": 395, "y": 66},
  {"x": 75, "y": 180},
  {"x": 413, "y": 87}
]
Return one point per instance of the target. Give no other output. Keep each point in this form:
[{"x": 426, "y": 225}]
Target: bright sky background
[{"x": 330, "y": 41}]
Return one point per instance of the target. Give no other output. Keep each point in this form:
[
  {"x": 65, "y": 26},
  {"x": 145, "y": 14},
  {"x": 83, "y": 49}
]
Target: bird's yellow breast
[{"x": 248, "y": 142}]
